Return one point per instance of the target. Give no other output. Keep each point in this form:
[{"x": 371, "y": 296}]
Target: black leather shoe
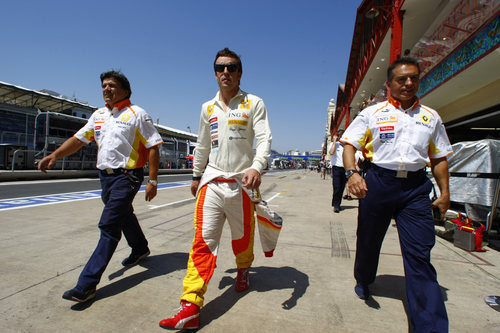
[
  {"x": 336, "y": 209},
  {"x": 362, "y": 291},
  {"x": 78, "y": 296},
  {"x": 134, "y": 258}
]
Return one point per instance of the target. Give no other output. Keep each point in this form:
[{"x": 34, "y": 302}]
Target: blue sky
[{"x": 294, "y": 55}]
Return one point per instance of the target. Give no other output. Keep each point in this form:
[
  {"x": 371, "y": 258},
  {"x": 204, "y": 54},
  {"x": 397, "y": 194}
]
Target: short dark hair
[
  {"x": 228, "y": 53},
  {"x": 120, "y": 77},
  {"x": 401, "y": 61}
]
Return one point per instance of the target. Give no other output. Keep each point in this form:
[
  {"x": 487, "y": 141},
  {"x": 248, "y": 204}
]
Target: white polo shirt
[
  {"x": 123, "y": 135},
  {"x": 336, "y": 158},
  {"x": 225, "y": 138},
  {"x": 398, "y": 139}
]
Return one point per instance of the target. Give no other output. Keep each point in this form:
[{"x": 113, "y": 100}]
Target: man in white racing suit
[{"x": 226, "y": 188}]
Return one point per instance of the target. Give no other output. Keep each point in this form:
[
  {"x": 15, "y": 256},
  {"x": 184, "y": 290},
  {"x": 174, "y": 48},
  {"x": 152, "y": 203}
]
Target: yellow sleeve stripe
[
  {"x": 367, "y": 142},
  {"x": 137, "y": 155},
  {"x": 89, "y": 135}
]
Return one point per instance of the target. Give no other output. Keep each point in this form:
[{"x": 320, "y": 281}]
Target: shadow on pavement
[
  {"x": 156, "y": 266},
  {"x": 262, "y": 279},
  {"x": 394, "y": 286}
]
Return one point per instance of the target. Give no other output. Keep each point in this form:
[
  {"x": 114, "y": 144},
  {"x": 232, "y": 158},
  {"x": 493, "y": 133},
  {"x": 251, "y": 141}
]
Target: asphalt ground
[{"x": 306, "y": 287}]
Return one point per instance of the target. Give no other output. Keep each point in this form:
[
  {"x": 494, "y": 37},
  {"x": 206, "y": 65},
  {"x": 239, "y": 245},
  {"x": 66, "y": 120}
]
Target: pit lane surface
[{"x": 307, "y": 286}]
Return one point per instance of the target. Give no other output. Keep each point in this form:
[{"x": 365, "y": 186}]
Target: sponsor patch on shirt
[
  {"x": 237, "y": 122},
  {"x": 423, "y": 124},
  {"x": 98, "y": 127},
  {"x": 425, "y": 118},
  {"x": 234, "y": 114},
  {"x": 245, "y": 104},
  {"x": 214, "y": 126},
  {"x": 212, "y": 120},
  {"x": 215, "y": 143},
  {"x": 386, "y": 128},
  {"x": 236, "y": 129},
  {"x": 389, "y": 135},
  {"x": 386, "y": 119},
  {"x": 210, "y": 109},
  {"x": 215, "y": 136}
]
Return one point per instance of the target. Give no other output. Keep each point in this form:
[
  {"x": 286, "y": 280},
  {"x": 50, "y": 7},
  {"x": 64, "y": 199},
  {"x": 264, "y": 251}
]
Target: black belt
[
  {"x": 116, "y": 171},
  {"x": 397, "y": 173}
]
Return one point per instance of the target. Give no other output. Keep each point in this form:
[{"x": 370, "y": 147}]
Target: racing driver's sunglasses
[{"x": 230, "y": 67}]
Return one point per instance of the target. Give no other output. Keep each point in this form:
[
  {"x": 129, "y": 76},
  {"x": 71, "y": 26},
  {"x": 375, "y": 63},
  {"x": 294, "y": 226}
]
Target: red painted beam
[{"x": 396, "y": 34}]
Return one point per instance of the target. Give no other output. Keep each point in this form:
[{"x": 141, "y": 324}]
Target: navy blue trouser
[
  {"x": 406, "y": 200},
  {"x": 339, "y": 180},
  {"x": 118, "y": 192}
]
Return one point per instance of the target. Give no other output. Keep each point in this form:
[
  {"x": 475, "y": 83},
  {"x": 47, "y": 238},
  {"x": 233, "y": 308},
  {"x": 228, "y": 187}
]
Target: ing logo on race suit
[
  {"x": 245, "y": 104},
  {"x": 386, "y": 119}
]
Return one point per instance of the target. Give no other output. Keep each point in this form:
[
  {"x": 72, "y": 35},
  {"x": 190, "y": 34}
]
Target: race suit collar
[
  {"x": 240, "y": 93},
  {"x": 120, "y": 105},
  {"x": 397, "y": 104}
]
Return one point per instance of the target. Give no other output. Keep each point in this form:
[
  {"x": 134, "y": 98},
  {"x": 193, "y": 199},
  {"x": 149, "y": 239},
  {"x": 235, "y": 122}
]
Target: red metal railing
[{"x": 462, "y": 22}]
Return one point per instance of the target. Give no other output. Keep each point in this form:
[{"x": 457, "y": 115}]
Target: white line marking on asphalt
[
  {"x": 170, "y": 203},
  {"x": 50, "y": 199},
  {"x": 274, "y": 196}
]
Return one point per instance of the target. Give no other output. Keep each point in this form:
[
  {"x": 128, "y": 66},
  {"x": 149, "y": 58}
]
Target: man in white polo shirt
[
  {"x": 126, "y": 139},
  {"x": 338, "y": 173},
  {"x": 399, "y": 137}
]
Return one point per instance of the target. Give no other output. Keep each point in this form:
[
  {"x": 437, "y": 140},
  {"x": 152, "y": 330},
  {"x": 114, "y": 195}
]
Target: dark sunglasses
[{"x": 230, "y": 67}]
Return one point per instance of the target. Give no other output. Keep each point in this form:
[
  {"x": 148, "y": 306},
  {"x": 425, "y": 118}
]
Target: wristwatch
[
  {"x": 153, "y": 182},
  {"x": 350, "y": 172}
]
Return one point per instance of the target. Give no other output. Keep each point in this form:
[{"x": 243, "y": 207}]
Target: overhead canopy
[
  {"x": 20, "y": 96},
  {"x": 456, "y": 43},
  {"x": 46, "y": 101}
]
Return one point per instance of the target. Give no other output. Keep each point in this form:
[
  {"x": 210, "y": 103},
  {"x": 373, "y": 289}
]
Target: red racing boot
[
  {"x": 188, "y": 317},
  {"x": 242, "y": 282}
]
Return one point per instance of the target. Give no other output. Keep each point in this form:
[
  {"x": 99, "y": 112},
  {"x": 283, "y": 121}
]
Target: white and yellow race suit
[{"x": 225, "y": 142}]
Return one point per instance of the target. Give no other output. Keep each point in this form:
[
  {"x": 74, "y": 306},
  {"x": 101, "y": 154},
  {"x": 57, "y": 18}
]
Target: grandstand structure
[
  {"x": 456, "y": 43},
  {"x": 34, "y": 123}
]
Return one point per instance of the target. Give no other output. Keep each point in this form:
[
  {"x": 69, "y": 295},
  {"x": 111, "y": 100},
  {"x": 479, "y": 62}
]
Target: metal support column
[{"x": 396, "y": 33}]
